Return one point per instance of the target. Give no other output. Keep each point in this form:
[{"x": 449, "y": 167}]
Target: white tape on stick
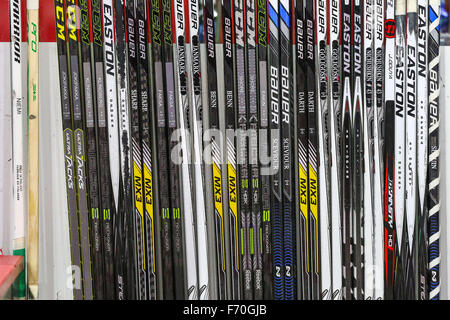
[{"x": 32, "y": 4}]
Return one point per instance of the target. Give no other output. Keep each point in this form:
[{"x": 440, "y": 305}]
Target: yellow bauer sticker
[
  {"x": 232, "y": 201},
  {"x": 139, "y": 200},
  {"x": 313, "y": 206},
  {"x": 303, "y": 189},
  {"x": 148, "y": 191},
  {"x": 218, "y": 203}
]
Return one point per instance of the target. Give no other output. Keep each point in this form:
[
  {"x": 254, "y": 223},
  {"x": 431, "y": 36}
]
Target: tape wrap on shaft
[{"x": 32, "y": 4}]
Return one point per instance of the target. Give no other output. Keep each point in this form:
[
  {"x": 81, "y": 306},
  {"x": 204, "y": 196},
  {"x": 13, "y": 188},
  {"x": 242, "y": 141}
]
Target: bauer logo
[{"x": 389, "y": 28}]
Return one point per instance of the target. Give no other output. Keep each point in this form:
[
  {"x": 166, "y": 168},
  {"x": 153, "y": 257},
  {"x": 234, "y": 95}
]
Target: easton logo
[
  {"x": 411, "y": 83},
  {"x": 399, "y": 79},
  {"x": 389, "y": 28},
  {"x": 422, "y": 43},
  {"x": 357, "y": 40},
  {"x": 346, "y": 43},
  {"x": 109, "y": 38}
]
